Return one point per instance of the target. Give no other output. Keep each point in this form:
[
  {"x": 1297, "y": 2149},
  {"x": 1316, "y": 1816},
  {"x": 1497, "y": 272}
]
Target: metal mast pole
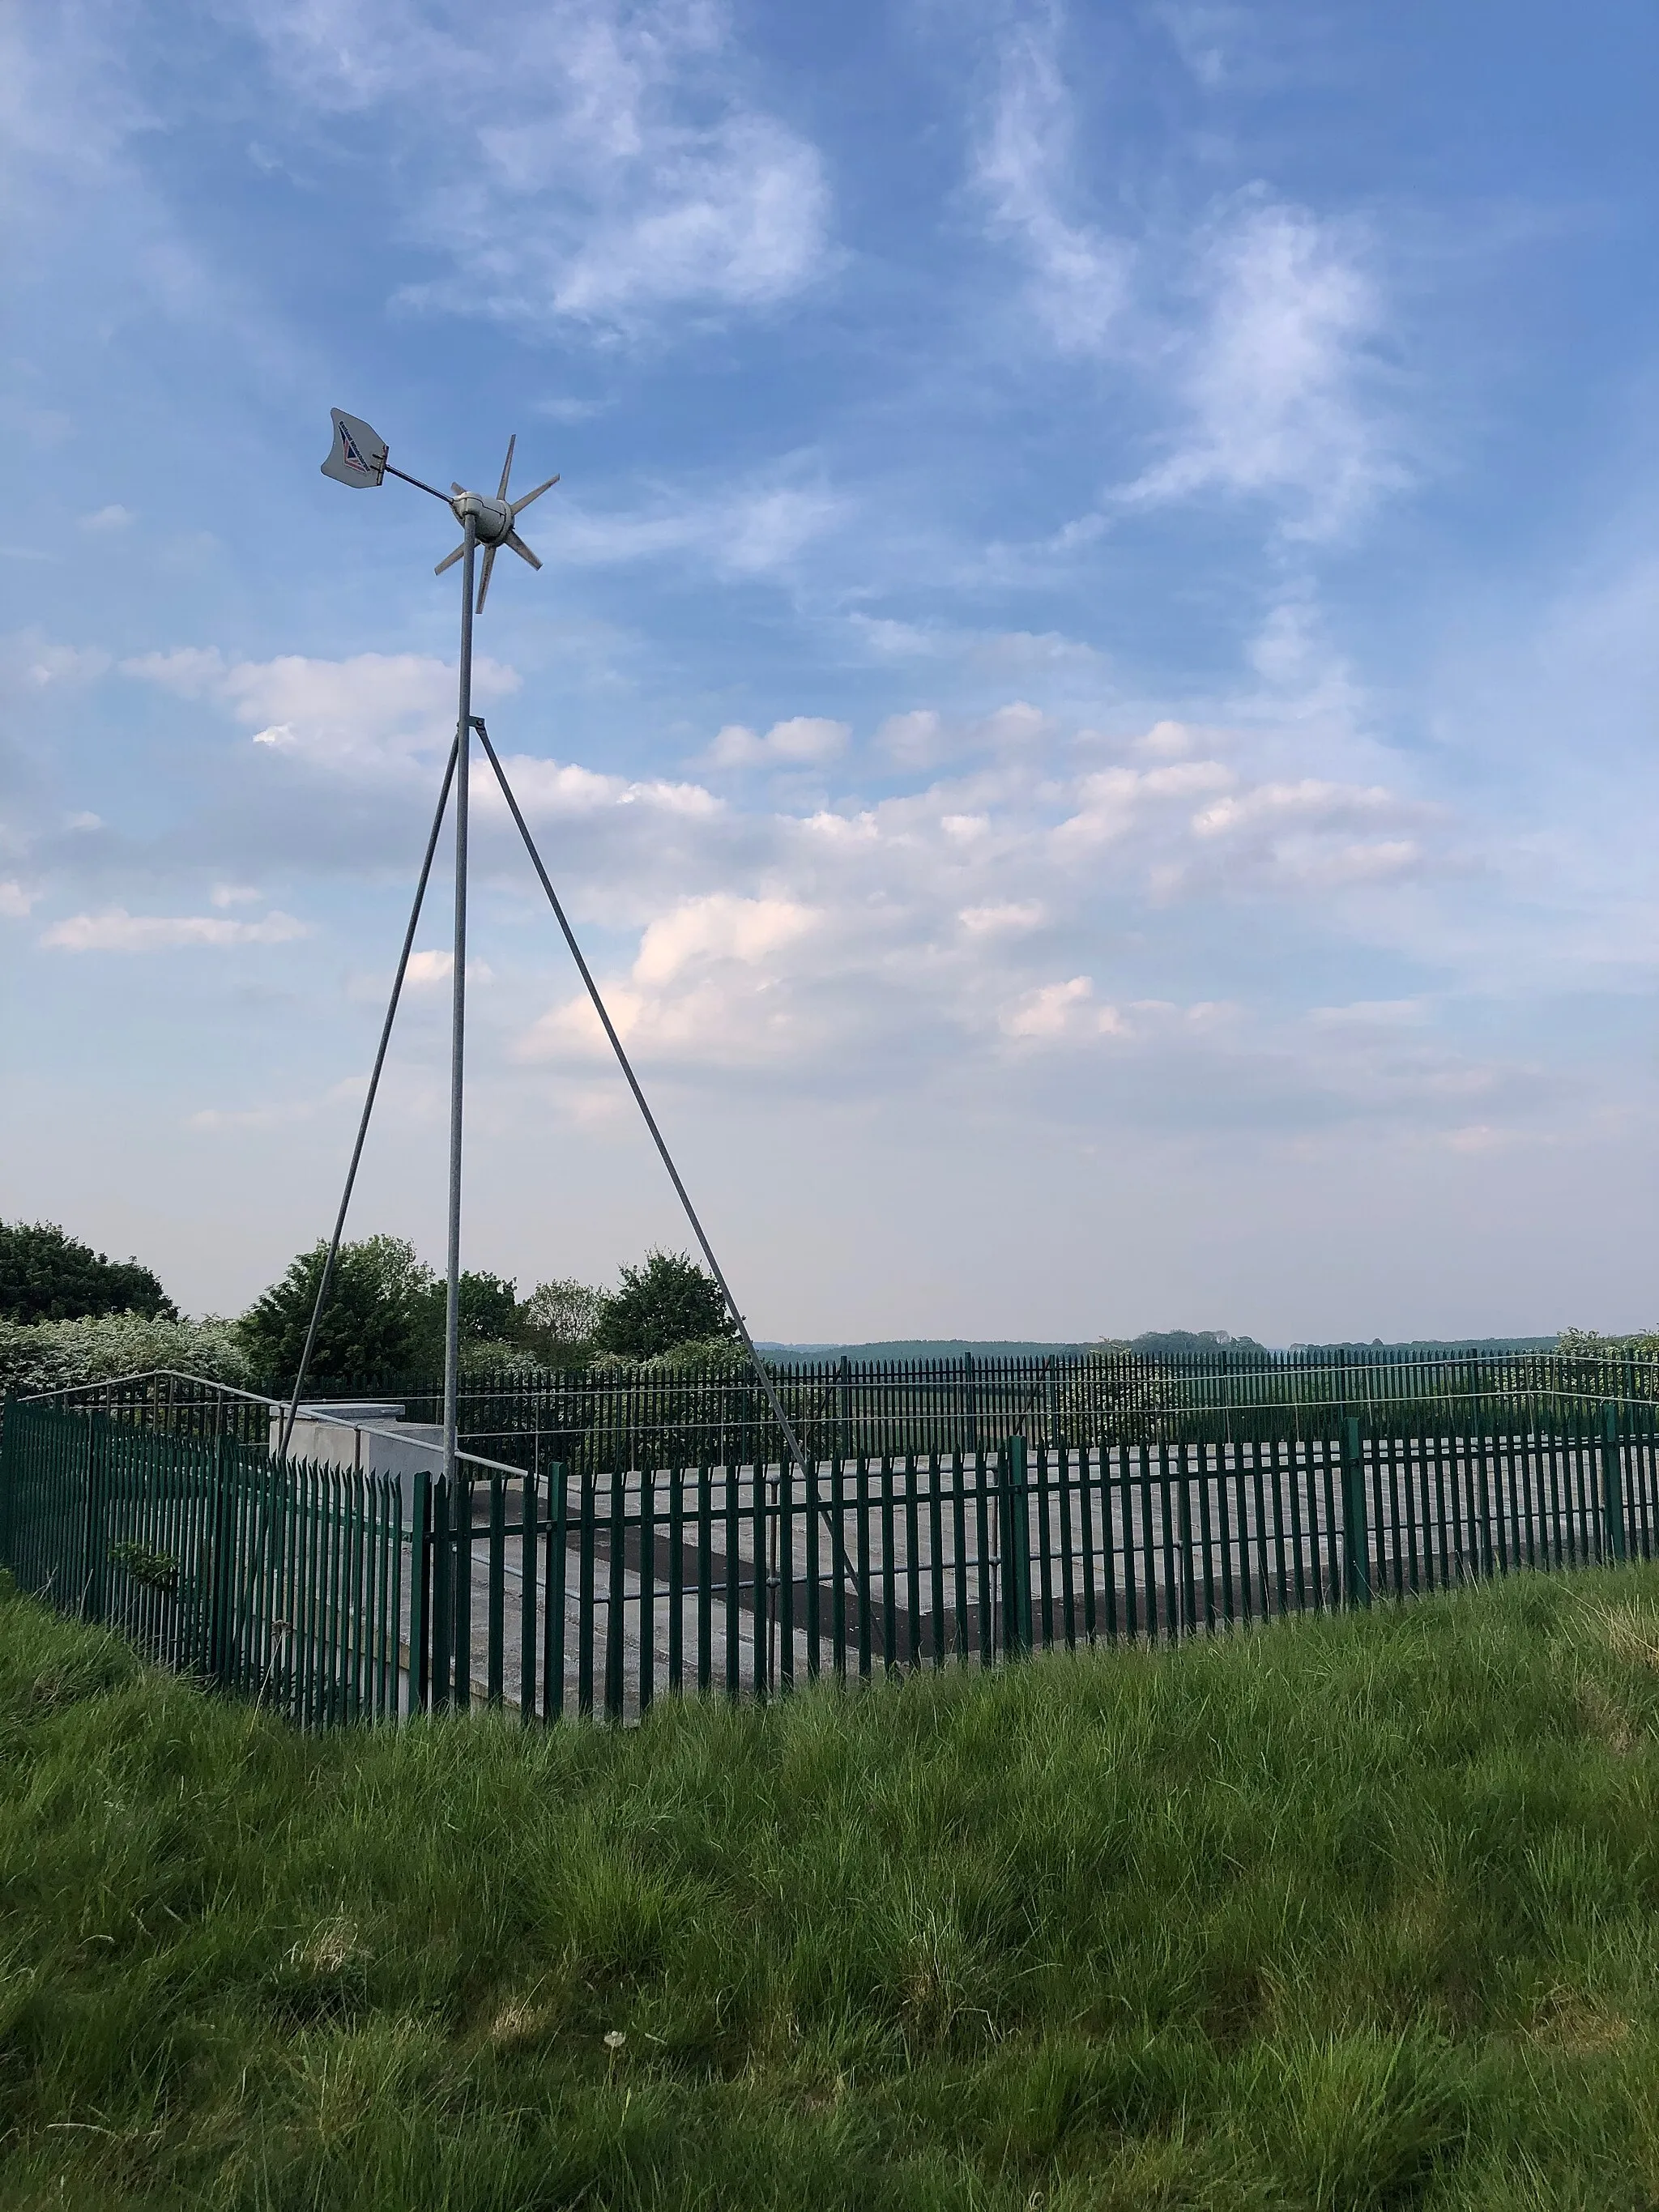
[{"x": 458, "y": 1017}]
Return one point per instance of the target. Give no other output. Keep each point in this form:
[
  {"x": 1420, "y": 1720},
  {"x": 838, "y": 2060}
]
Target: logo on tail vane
[{"x": 358, "y": 454}]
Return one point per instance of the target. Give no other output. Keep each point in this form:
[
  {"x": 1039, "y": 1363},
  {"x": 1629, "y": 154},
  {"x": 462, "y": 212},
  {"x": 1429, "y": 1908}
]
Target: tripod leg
[
  {"x": 761, "y": 1376},
  {"x": 368, "y": 1106}
]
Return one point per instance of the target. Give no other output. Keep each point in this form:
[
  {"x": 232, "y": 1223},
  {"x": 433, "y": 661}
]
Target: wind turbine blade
[
  {"x": 483, "y": 580},
  {"x": 457, "y": 488},
  {"x": 518, "y": 505},
  {"x": 518, "y": 546},
  {"x": 450, "y": 559},
  {"x": 507, "y": 466}
]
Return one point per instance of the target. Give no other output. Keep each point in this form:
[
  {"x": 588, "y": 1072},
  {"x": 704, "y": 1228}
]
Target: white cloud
[
  {"x": 426, "y": 970},
  {"x": 108, "y": 519},
  {"x": 350, "y": 716},
  {"x": 717, "y": 927},
  {"x": 1113, "y": 801},
  {"x": 15, "y": 900},
  {"x": 708, "y": 984},
  {"x": 755, "y": 528},
  {"x": 555, "y": 790},
  {"x": 230, "y": 895},
  {"x": 118, "y": 931},
  {"x": 804, "y": 740},
  {"x": 1079, "y": 274},
  {"x": 1014, "y": 728},
  {"x": 190, "y": 672},
  {"x": 30, "y": 661},
  {"x": 1371, "y": 1014},
  {"x": 736, "y": 216},
  {"x": 281, "y": 1114},
  {"x": 1311, "y": 800},
  {"x": 1259, "y": 329},
  {"x": 913, "y": 740},
  {"x": 1279, "y": 377},
  {"x": 1166, "y": 740},
  {"x": 1054, "y": 1011},
  {"x": 1011, "y": 917},
  {"x": 211, "y": 1120},
  {"x": 586, "y": 163}
]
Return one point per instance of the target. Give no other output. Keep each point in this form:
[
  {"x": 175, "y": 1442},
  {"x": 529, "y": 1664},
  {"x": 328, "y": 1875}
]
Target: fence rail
[
  {"x": 604, "y": 1419},
  {"x": 337, "y": 1595},
  {"x": 630, "y": 1419}
]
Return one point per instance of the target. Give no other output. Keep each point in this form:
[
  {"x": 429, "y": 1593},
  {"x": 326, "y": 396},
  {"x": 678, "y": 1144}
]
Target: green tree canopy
[
  {"x": 376, "y": 1320},
  {"x": 48, "y": 1275},
  {"x": 667, "y": 1300},
  {"x": 490, "y": 1314}
]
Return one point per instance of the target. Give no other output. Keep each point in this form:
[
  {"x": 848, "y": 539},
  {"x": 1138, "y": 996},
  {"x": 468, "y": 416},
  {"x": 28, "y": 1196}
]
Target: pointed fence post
[
  {"x": 1016, "y": 1533},
  {"x": 9, "y": 1423},
  {"x": 94, "y": 1543},
  {"x": 1612, "y": 1486},
  {"x": 222, "y": 1559},
  {"x": 1356, "y": 1532},
  {"x": 420, "y": 1592}
]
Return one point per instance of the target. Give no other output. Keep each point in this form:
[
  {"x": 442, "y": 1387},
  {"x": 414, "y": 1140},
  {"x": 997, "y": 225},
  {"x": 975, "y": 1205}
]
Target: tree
[
  {"x": 489, "y": 1308},
  {"x": 375, "y": 1315},
  {"x": 47, "y": 1275},
  {"x": 489, "y": 1314},
  {"x": 667, "y": 1300},
  {"x": 558, "y": 1322}
]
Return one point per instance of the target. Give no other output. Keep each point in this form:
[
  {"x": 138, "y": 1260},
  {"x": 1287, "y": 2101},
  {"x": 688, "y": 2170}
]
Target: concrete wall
[{"x": 371, "y": 1436}]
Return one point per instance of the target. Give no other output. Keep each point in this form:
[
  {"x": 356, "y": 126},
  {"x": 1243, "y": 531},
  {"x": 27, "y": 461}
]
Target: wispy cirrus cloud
[
  {"x": 758, "y": 526},
  {"x": 1080, "y": 273},
  {"x": 1279, "y": 375},
  {"x": 589, "y": 163},
  {"x": 1256, "y": 330}
]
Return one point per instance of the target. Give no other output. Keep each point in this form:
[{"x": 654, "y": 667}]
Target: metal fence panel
[{"x": 338, "y": 1596}]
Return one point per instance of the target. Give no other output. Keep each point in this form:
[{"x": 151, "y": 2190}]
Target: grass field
[{"x": 1344, "y": 1913}]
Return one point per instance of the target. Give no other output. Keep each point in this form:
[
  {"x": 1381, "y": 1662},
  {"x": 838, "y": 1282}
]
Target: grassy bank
[{"x": 1346, "y": 1913}]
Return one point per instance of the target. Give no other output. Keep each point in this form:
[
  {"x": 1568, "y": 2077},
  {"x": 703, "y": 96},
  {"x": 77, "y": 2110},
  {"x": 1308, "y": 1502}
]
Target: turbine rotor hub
[{"x": 492, "y": 518}]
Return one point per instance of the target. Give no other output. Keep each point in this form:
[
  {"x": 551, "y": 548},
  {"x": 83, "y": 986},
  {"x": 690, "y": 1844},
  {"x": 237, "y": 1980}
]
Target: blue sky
[{"x": 1092, "y": 691}]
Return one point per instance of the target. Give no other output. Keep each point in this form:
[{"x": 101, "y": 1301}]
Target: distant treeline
[{"x": 1152, "y": 1343}]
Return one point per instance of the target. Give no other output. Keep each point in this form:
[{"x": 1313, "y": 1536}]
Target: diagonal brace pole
[{"x": 291, "y": 1414}]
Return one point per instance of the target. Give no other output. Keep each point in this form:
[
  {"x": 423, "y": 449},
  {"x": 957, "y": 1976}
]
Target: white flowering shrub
[{"x": 45, "y": 1355}]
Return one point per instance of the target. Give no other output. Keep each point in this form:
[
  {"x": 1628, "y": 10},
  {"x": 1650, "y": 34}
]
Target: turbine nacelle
[{"x": 492, "y": 518}]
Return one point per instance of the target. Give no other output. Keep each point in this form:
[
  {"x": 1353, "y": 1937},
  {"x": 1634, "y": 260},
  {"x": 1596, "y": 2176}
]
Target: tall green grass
[{"x": 1345, "y": 1913}]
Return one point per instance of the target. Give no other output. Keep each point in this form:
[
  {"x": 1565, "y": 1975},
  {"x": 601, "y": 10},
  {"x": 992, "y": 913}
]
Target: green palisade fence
[
  {"x": 280, "y": 1582},
  {"x": 565, "y": 1590},
  {"x": 598, "y": 1419},
  {"x": 662, "y": 1417}
]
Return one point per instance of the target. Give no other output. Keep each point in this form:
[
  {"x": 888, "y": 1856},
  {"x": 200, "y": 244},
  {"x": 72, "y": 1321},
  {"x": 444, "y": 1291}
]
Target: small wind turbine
[{"x": 358, "y": 458}]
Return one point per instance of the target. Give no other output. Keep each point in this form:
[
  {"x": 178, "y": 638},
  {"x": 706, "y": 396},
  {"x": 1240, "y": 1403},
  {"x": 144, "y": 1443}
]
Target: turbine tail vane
[{"x": 357, "y": 457}]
